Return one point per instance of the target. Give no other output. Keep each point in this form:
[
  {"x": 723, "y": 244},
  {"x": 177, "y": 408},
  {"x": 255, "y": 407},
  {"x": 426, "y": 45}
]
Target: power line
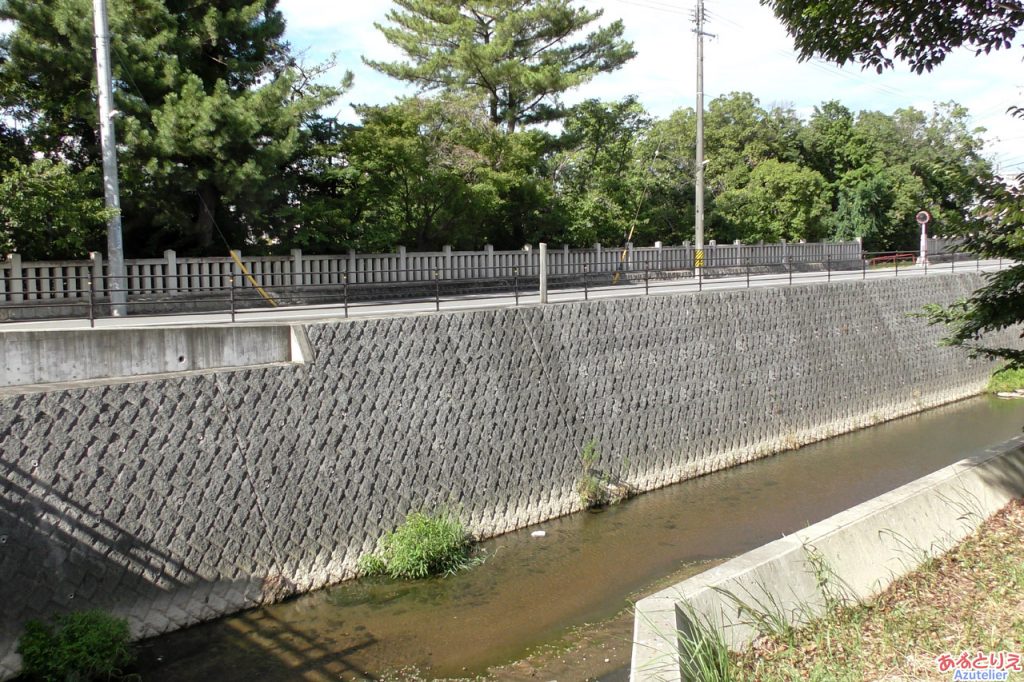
[{"x": 656, "y": 7}]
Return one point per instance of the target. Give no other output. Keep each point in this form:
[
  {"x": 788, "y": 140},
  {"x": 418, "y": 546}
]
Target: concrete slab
[
  {"x": 853, "y": 555},
  {"x": 29, "y": 358}
]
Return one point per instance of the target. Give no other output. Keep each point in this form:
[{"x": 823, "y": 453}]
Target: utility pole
[
  {"x": 699, "y": 199},
  {"x": 111, "y": 192}
]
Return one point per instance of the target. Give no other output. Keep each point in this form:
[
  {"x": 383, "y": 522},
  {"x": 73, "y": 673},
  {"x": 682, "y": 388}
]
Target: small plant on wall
[
  {"x": 597, "y": 488},
  {"x": 78, "y": 646},
  {"x": 424, "y": 545}
]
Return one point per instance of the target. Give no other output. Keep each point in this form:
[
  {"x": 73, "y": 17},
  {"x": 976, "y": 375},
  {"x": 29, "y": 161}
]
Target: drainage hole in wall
[{"x": 181, "y": 359}]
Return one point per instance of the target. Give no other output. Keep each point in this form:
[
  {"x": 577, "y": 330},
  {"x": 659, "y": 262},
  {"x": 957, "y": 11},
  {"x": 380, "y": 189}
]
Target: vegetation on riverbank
[
  {"x": 80, "y": 646},
  {"x": 424, "y": 545},
  {"x": 1006, "y": 379},
  {"x": 967, "y": 600}
]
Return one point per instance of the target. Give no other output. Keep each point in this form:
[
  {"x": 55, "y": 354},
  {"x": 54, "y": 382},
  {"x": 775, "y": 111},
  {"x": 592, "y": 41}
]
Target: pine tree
[
  {"x": 213, "y": 111},
  {"x": 518, "y": 56}
]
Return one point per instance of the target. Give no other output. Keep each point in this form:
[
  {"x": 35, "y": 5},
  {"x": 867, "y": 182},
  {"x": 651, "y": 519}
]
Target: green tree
[
  {"x": 213, "y": 110},
  {"x": 782, "y": 200},
  {"x": 922, "y": 33},
  {"x": 599, "y": 175},
  {"x": 47, "y": 211},
  {"x": 876, "y": 33},
  {"x": 518, "y": 57},
  {"x": 877, "y": 204},
  {"x": 424, "y": 181},
  {"x": 827, "y": 140}
]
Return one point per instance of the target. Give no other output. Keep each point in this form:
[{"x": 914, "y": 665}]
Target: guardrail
[{"x": 435, "y": 288}]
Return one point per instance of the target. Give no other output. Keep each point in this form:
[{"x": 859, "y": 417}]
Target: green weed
[
  {"x": 424, "y": 545},
  {"x": 78, "y": 646},
  {"x": 1006, "y": 380}
]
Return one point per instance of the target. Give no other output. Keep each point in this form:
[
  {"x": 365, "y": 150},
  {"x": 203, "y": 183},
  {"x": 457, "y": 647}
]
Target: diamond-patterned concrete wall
[{"x": 175, "y": 500}]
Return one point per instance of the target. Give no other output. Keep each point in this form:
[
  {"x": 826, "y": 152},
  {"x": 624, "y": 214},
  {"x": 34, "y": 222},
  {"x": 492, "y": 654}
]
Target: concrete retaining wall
[
  {"x": 858, "y": 553},
  {"x": 178, "y": 499}
]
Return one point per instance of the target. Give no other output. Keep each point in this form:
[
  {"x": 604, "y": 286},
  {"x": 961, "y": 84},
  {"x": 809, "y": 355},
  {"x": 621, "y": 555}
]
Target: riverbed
[{"x": 556, "y": 607}]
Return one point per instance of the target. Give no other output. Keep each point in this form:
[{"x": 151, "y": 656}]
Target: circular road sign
[{"x": 923, "y": 217}]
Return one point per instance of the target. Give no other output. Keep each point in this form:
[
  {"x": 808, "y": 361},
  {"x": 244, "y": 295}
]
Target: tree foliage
[
  {"x": 223, "y": 140},
  {"x": 49, "y": 212},
  {"x": 876, "y": 33},
  {"x": 518, "y": 56},
  {"x": 213, "y": 109}
]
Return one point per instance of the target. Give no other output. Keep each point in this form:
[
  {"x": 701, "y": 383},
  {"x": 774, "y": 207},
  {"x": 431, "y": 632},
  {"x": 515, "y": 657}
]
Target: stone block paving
[{"x": 176, "y": 500}]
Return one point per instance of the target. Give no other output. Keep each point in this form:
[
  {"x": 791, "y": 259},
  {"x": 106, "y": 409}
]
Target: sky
[{"x": 750, "y": 52}]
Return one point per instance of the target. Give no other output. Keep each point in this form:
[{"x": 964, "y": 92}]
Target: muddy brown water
[{"x": 531, "y": 591}]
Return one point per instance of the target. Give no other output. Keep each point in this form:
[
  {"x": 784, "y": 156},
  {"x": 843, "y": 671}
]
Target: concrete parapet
[
  {"x": 853, "y": 555},
  {"x": 63, "y": 356}
]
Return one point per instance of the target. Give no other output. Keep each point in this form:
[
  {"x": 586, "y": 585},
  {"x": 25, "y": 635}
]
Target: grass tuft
[
  {"x": 597, "y": 488},
  {"x": 1006, "y": 380},
  {"x": 424, "y": 545},
  {"x": 82, "y": 645}
]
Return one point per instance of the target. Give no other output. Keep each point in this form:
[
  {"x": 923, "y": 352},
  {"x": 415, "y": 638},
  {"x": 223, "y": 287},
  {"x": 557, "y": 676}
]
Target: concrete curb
[{"x": 858, "y": 552}]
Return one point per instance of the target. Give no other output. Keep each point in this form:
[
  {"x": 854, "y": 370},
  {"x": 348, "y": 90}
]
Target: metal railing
[
  {"x": 416, "y": 289},
  {"x": 22, "y": 281}
]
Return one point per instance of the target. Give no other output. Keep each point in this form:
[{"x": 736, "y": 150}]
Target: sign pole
[{"x": 922, "y": 218}]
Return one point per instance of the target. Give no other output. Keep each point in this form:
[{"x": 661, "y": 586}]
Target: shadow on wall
[
  {"x": 1009, "y": 478},
  {"x": 76, "y": 560}
]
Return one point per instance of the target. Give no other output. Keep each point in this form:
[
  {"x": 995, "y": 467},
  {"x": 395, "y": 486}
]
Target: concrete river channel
[{"x": 557, "y": 607}]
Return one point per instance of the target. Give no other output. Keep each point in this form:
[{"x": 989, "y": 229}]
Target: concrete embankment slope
[
  {"x": 180, "y": 498},
  {"x": 849, "y": 557}
]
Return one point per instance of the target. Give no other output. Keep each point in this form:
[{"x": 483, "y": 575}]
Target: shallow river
[{"x": 531, "y": 591}]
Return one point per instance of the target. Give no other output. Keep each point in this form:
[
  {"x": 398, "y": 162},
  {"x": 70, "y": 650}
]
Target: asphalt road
[{"x": 475, "y": 302}]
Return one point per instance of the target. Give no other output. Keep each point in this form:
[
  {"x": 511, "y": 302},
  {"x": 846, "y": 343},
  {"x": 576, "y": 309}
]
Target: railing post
[
  {"x": 543, "y": 271},
  {"x": 437, "y": 290},
  {"x": 403, "y": 263},
  {"x": 344, "y": 285},
  {"x": 789, "y": 269},
  {"x": 629, "y": 256},
  {"x": 597, "y": 256},
  {"x": 231, "y": 283},
  {"x": 489, "y": 260},
  {"x": 897, "y": 266},
  {"x": 586, "y": 281},
  {"x": 863, "y": 266},
  {"x": 171, "y": 274},
  {"x": 298, "y": 277},
  {"x": 746, "y": 261},
  {"x": 17, "y": 287},
  {"x": 515, "y": 283},
  {"x": 447, "y": 262},
  {"x": 350, "y": 274},
  {"x": 97, "y": 271},
  {"x": 828, "y": 266},
  {"x": 92, "y": 302},
  {"x": 647, "y": 286}
]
